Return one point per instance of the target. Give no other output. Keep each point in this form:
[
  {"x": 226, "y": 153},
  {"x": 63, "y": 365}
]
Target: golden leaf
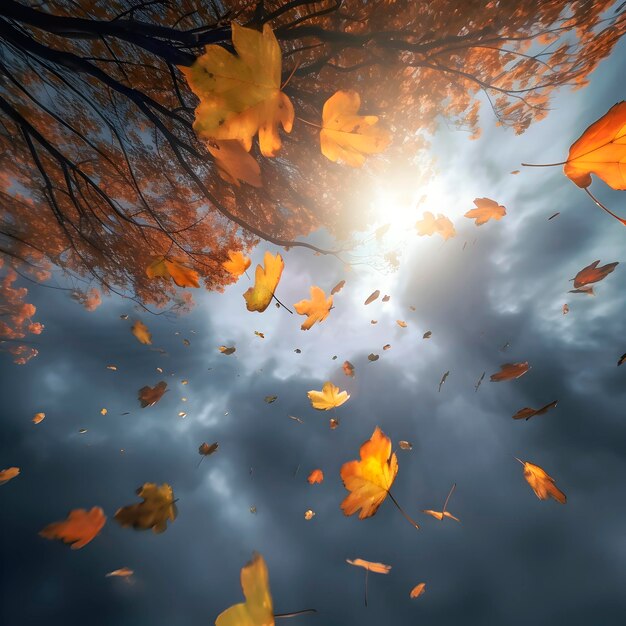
[
  {"x": 346, "y": 136},
  {"x": 542, "y": 484},
  {"x": 370, "y": 566},
  {"x": 266, "y": 280},
  {"x": 156, "y": 509},
  {"x": 234, "y": 163},
  {"x": 430, "y": 225},
  {"x": 141, "y": 332},
  {"x": 329, "y": 398},
  {"x": 316, "y": 309},
  {"x": 237, "y": 264},
  {"x": 182, "y": 275}
]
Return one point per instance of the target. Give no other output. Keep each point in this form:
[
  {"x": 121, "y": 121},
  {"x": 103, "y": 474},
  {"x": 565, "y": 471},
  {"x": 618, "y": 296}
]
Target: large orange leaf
[
  {"x": 266, "y": 280},
  {"x": 154, "y": 512},
  {"x": 346, "y": 136},
  {"x": 541, "y": 483},
  {"x": 79, "y": 528},
  {"x": 258, "y": 609},
  {"x": 237, "y": 263},
  {"x": 600, "y": 150},
  {"x": 234, "y": 164},
  {"x": 369, "y": 479},
  {"x": 316, "y": 309},
  {"x": 240, "y": 94}
]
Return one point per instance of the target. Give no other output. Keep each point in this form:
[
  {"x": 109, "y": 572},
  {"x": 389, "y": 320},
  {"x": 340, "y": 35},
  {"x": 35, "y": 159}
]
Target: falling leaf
[
  {"x": 427, "y": 335},
  {"x": 401, "y": 323},
  {"x": 79, "y": 528},
  {"x": 298, "y": 351},
  {"x": 346, "y": 136},
  {"x": 588, "y": 291},
  {"x": 515, "y": 172},
  {"x": 479, "y": 383},
  {"x": 381, "y": 231},
  {"x": 103, "y": 411},
  {"x": 240, "y": 95},
  {"x": 82, "y": 431},
  {"x": 600, "y": 150},
  {"x": 348, "y": 368},
  {"x": 141, "y": 332},
  {"x": 372, "y": 357},
  {"x": 237, "y": 263},
  {"x": 593, "y": 274},
  {"x": 510, "y": 371},
  {"x": 154, "y": 512},
  {"x": 565, "y": 309},
  {"x": 316, "y": 309},
  {"x": 38, "y": 418},
  {"x": 186, "y": 342},
  {"x": 369, "y": 479},
  {"x": 309, "y": 514},
  {"x": 374, "y": 322},
  {"x": 270, "y": 399},
  {"x": 405, "y": 445},
  {"x": 184, "y": 381},
  {"x": 8, "y": 474},
  {"x": 441, "y": 515},
  {"x": 387, "y": 346},
  {"x": 113, "y": 368},
  {"x": 258, "y": 334},
  {"x": 328, "y": 398},
  {"x": 554, "y": 215},
  {"x": 430, "y": 225},
  {"x": 123, "y": 572},
  {"x": 418, "y": 590},
  {"x": 316, "y": 476},
  {"x": 296, "y": 419},
  {"x": 266, "y": 280},
  {"x": 486, "y": 209},
  {"x": 124, "y": 316},
  {"x": 257, "y": 610},
  {"x": 443, "y": 380},
  {"x": 338, "y": 287},
  {"x": 622, "y": 359},
  {"x": 234, "y": 163},
  {"x": 333, "y": 423},
  {"x": 149, "y": 396},
  {"x": 386, "y": 298},
  {"x": 225, "y": 350},
  {"x": 542, "y": 484},
  {"x": 373, "y": 296},
  {"x": 206, "y": 450},
  {"x": 182, "y": 275},
  {"x": 182, "y": 414},
  {"x": 370, "y": 566},
  {"x": 252, "y": 508},
  {"x": 527, "y": 413}
]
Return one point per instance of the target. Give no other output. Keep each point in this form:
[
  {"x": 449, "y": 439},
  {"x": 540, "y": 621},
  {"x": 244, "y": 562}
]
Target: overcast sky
[{"x": 490, "y": 295}]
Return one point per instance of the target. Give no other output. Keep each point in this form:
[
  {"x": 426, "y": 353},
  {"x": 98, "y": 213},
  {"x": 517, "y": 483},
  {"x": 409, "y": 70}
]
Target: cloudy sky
[{"x": 491, "y": 295}]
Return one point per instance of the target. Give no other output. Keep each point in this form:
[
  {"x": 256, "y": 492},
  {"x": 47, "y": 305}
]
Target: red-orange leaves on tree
[
  {"x": 510, "y": 371},
  {"x": 486, "y": 209},
  {"x": 593, "y": 274}
]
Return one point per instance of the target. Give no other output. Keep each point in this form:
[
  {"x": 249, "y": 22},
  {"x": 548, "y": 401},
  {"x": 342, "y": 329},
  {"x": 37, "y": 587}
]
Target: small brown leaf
[
  {"x": 338, "y": 287},
  {"x": 373, "y": 296}
]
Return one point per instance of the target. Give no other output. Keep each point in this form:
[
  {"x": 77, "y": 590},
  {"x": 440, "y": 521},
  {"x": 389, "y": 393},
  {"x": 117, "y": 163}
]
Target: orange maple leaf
[
  {"x": 237, "y": 263},
  {"x": 486, "y": 209},
  {"x": 429, "y": 225},
  {"x": 79, "y": 528},
  {"x": 317, "y": 308},
  {"x": 541, "y": 483},
  {"x": 316, "y": 476}
]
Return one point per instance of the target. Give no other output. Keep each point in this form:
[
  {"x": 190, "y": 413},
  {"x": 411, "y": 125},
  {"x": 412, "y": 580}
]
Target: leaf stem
[
  {"x": 309, "y": 123},
  {"x": 366, "y": 573},
  {"x": 281, "y": 304},
  {"x": 543, "y": 164},
  {"x": 598, "y": 203},
  {"x": 294, "y": 614},
  {"x": 412, "y": 522}
]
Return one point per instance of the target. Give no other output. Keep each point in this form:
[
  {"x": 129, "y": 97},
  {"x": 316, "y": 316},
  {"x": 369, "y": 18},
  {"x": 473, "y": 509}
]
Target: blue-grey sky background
[{"x": 513, "y": 559}]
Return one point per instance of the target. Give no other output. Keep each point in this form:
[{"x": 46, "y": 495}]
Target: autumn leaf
[
  {"x": 309, "y": 514},
  {"x": 237, "y": 263},
  {"x": 123, "y": 572},
  {"x": 348, "y": 369},
  {"x": 369, "y": 479},
  {"x": 78, "y": 529},
  {"x": 316, "y": 476},
  {"x": 266, "y": 280},
  {"x": 38, "y": 418},
  {"x": 165, "y": 268},
  {"x": 316, "y": 309},
  {"x": 405, "y": 445},
  {"x": 418, "y": 590},
  {"x": 329, "y": 398},
  {"x": 8, "y": 474},
  {"x": 510, "y": 371},
  {"x": 486, "y": 209},
  {"x": 600, "y": 150},
  {"x": 588, "y": 291},
  {"x": 593, "y": 274},
  {"x": 430, "y": 225},
  {"x": 370, "y": 566},
  {"x": 141, "y": 332},
  {"x": 622, "y": 359},
  {"x": 149, "y": 396},
  {"x": 565, "y": 309},
  {"x": 373, "y": 296},
  {"x": 257, "y": 610},
  {"x": 443, "y": 380},
  {"x": 227, "y": 350},
  {"x": 338, "y": 287},
  {"x": 240, "y": 95},
  {"x": 526, "y": 413},
  {"x": 154, "y": 512},
  {"x": 346, "y": 136},
  {"x": 401, "y": 323},
  {"x": 270, "y": 399},
  {"x": 428, "y": 334},
  {"x": 372, "y": 357},
  {"x": 441, "y": 515},
  {"x": 206, "y": 450},
  {"x": 542, "y": 484},
  {"x": 234, "y": 163}
]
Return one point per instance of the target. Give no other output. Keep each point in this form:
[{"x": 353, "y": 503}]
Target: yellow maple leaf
[
  {"x": 369, "y": 479},
  {"x": 346, "y": 136},
  {"x": 78, "y": 529},
  {"x": 237, "y": 263},
  {"x": 266, "y": 280},
  {"x": 258, "y": 609},
  {"x": 317, "y": 308},
  {"x": 541, "y": 483},
  {"x": 329, "y": 398},
  {"x": 171, "y": 268},
  {"x": 141, "y": 332},
  {"x": 234, "y": 164},
  {"x": 486, "y": 209},
  {"x": 430, "y": 225},
  {"x": 240, "y": 94},
  {"x": 156, "y": 509}
]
